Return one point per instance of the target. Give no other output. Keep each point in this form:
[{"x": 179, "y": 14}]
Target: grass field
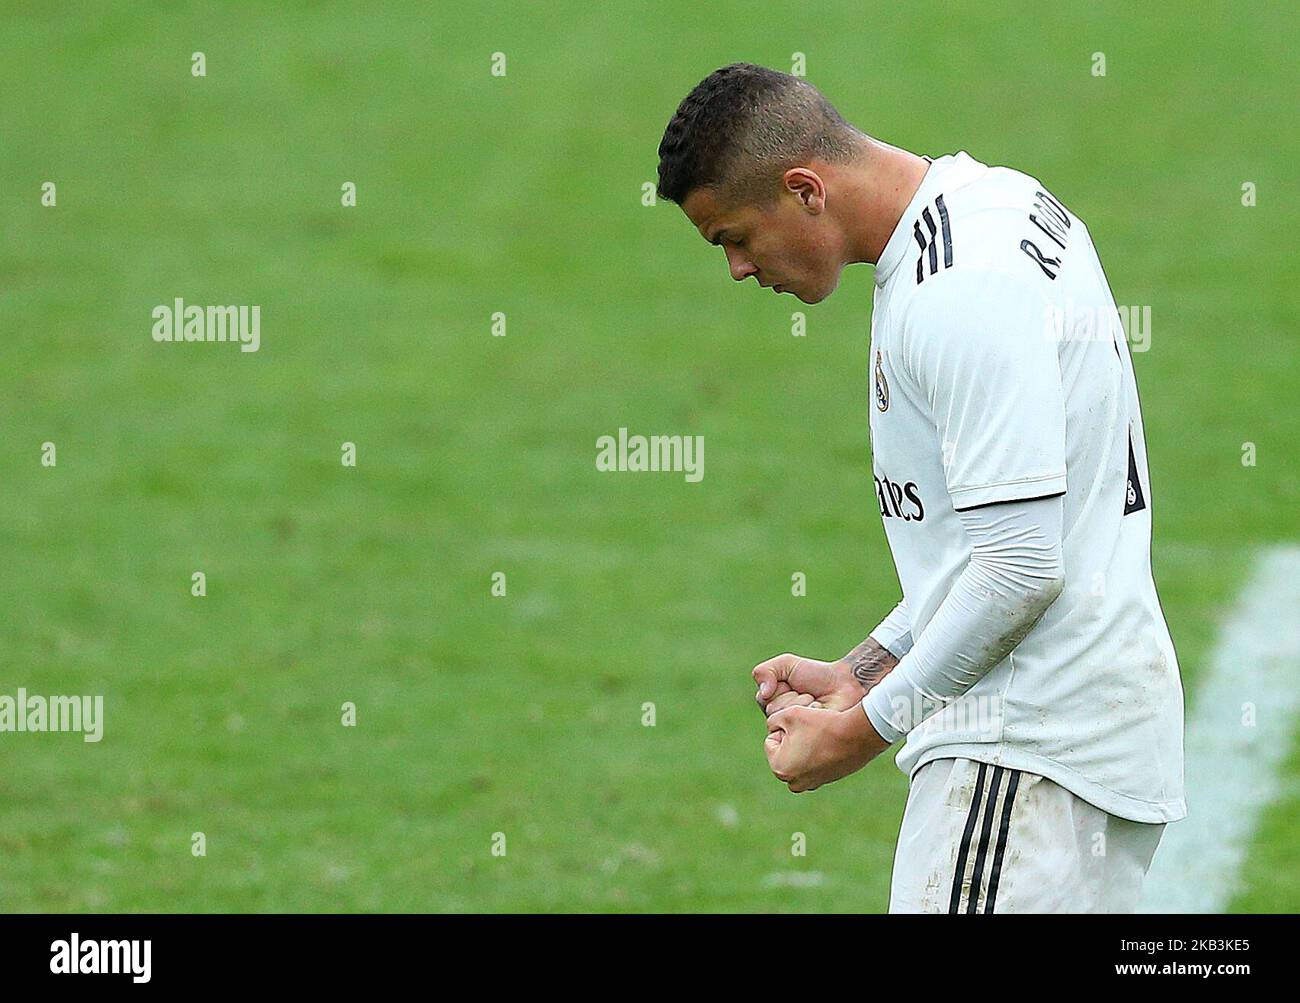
[{"x": 521, "y": 194}]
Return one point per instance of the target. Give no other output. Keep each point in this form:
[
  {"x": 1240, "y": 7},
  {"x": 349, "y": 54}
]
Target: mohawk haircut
[{"x": 742, "y": 127}]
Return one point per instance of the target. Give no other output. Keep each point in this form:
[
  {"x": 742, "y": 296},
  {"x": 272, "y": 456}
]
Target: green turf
[{"x": 521, "y": 194}]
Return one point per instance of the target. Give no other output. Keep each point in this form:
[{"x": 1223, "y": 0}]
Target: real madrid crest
[{"x": 882, "y": 387}]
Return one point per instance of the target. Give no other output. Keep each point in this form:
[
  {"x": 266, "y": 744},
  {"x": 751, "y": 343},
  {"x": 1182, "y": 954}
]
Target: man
[{"x": 1028, "y": 665}]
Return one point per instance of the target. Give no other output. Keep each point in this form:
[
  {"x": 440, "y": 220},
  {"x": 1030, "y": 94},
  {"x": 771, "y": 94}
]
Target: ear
[{"x": 807, "y": 186}]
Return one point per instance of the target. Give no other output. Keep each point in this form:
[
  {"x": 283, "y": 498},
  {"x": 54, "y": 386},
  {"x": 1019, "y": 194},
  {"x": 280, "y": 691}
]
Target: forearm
[
  {"x": 1014, "y": 575},
  {"x": 873, "y": 659},
  {"x": 869, "y": 663}
]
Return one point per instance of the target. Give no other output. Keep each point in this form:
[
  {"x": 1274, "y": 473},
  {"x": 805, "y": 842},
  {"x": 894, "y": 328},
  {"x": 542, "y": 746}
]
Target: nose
[{"x": 739, "y": 266}]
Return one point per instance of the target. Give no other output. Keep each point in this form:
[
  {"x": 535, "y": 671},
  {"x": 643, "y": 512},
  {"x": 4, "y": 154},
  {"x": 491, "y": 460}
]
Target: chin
[
  {"x": 810, "y": 298},
  {"x": 820, "y": 294}
]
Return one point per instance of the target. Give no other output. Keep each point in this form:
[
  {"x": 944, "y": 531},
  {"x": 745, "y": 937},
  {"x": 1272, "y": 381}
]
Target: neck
[{"x": 881, "y": 183}]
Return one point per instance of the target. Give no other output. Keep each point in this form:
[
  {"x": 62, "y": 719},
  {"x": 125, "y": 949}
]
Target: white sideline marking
[{"x": 1232, "y": 770}]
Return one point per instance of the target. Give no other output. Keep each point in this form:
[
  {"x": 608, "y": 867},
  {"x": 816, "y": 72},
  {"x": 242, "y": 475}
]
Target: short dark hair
[{"x": 742, "y": 126}]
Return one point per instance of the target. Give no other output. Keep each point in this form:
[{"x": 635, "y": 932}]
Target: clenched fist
[
  {"x": 790, "y": 680},
  {"x": 807, "y": 746}
]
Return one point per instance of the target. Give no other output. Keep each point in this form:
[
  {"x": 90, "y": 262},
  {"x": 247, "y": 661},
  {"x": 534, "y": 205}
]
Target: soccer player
[{"x": 1027, "y": 668}]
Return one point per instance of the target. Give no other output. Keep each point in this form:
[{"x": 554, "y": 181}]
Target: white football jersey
[{"x": 1000, "y": 372}]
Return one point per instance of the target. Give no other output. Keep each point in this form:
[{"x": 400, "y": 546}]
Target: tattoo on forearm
[{"x": 870, "y": 662}]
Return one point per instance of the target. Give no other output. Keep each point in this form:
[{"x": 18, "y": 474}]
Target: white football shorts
[{"x": 983, "y": 838}]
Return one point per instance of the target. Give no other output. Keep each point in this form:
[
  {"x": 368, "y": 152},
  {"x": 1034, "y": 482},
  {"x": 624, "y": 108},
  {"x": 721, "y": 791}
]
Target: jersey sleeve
[
  {"x": 981, "y": 348},
  {"x": 894, "y": 632},
  {"x": 1015, "y": 573}
]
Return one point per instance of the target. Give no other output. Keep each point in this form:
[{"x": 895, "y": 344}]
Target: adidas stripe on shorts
[{"x": 983, "y": 838}]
